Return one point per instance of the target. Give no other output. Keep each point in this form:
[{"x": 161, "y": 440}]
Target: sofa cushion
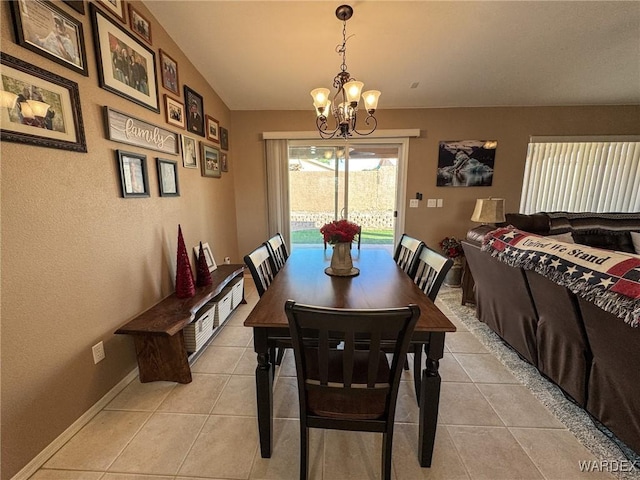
[
  {"x": 561, "y": 237},
  {"x": 535, "y": 223},
  {"x": 606, "y": 239}
]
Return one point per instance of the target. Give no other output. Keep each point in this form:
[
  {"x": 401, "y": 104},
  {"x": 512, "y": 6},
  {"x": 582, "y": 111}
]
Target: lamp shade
[{"x": 488, "y": 210}]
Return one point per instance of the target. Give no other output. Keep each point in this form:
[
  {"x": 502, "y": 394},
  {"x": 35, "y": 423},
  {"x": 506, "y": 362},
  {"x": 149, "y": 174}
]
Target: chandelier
[{"x": 344, "y": 106}]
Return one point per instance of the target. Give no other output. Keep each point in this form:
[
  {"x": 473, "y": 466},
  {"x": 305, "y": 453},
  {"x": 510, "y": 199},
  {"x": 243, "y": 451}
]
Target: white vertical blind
[{"x": 579, "y": 175}]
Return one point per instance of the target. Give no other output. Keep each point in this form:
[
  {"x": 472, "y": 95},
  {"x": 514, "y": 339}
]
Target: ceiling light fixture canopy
[{"x": 344, "y": 106}]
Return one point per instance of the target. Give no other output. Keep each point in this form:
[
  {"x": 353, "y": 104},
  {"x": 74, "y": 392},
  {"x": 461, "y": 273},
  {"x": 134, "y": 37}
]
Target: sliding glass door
[{"x": 357, "y": 180}]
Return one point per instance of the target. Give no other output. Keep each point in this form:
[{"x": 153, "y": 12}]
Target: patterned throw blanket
[{"x": 609, "y": 279}]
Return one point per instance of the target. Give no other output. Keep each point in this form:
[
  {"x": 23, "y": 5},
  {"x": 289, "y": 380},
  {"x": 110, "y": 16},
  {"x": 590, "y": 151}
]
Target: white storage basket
[
  {"x": 199, "y": 331},
  {"x": 223, "y": 307},
  {"x": 237, "y": 293}
]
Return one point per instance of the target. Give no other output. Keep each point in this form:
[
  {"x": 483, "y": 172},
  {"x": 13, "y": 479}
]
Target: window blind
[{"x": 581, "y": 176}]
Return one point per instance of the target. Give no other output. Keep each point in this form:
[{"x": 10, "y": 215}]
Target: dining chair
[
  {"x": 406, "y": 252},
  {"x": 353, "y": 387},
  {"x": 278, "y": 250},
  {"x": 263, "y": 270},
  {"x": 428, "y": 273},
  {"x": 359, "y": 234}
]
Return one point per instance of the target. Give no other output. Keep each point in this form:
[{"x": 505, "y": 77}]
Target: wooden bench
[{"x": 158, "y": 332}]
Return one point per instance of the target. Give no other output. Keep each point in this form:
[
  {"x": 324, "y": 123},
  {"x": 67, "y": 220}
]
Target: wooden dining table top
[{"x": 380, "y": 284}]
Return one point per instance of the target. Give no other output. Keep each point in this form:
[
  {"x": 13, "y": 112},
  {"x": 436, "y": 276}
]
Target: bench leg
[{"x": 162, "y": 358}]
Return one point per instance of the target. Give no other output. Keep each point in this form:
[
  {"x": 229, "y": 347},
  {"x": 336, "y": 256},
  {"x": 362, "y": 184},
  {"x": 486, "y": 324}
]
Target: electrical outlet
[
  {"x": 227, "y": 260},
  {"x": 413, "y": 203},
  {"x": 431, "y": 203},
  {"x": 98, "y": 352}
]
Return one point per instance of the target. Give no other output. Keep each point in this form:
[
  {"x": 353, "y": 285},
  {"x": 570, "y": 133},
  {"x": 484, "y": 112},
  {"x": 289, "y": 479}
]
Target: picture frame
[
  {"x": 168, "y": 177},
  {"x": 124, "y": 128},
  {"x": 174, "y": 111},
  {"x": 194, "y": 106},
  {"x": 134, "y": 179},
  {"x": 77, "y": 5},
  {"x": 116, "y": 7},
  {"x": 224, "y": 138},
  {"x": 210, "y": 161},
  {"x": 224, "y": 165},
  {"x": 139, "y": 24},
  {"x": 213, "y": 129},
  {"x": 116, "y": 51},
  {"x": 42, "y": 27},
  {"x": 208, "y": 255},
  {"x": 466, "y": 163},
  {"x": 190, "y": 152},
  {"x": 61, "y": 125},
  {"x": 169, "y": 72}
]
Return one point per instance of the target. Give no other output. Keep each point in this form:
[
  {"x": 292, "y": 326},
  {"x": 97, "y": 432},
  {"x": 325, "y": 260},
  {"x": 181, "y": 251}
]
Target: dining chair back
[
  {"x": 429, "y": 271},
  {"x": 349, "y": 388},
  {"x": 278, "y": 250},
  {"x": 262, "y": 268},
  {"x": 407, "y": 251}
]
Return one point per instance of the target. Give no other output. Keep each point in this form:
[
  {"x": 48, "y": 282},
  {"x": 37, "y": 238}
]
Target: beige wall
[
  {"x": 511, "y": 127},
  {"x": 78, "y": 260}
]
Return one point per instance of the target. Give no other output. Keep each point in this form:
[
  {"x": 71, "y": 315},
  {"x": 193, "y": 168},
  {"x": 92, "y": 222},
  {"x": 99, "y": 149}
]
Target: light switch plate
[
  {"x": 439, "y": 203},
  {"x": 413, "y": 203},
  {"x": 431, "y": 203}
]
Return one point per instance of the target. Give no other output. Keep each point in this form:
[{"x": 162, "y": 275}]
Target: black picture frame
[
  {"x": 114, "y": 47},
  {"x": 224, "y": 138},
  {"x": 194, "y": 106},
  {"x": 77, "y": 5},
  {"x": 61, "y": 128},
  {"x": 134, "y": 179},
  {"x": 42, "y": 27},
  {"x": 168, "y": 177}
]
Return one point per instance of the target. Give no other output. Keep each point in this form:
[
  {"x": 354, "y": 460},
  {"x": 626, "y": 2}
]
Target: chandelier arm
[
  {"x": 322, "y": 126},
  {"x": 367, "y": 120}
]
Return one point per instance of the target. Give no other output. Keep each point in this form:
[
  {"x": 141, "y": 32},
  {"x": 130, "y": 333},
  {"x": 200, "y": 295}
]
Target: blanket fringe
[{"x": 628, "y": 309}]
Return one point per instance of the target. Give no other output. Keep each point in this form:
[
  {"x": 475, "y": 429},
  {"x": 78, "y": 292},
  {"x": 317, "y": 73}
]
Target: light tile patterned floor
[{"x": 490, "y": 426}]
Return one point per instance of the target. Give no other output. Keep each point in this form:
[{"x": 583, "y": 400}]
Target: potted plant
[{"x": 452, "y": 248}]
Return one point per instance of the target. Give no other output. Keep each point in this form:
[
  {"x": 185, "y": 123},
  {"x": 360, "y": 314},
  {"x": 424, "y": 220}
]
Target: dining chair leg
[
  {"x": 406, "y": 362},
  {"x": 387, "y": 448},
  {"x": 304, "y": 451},
  {"x": 417, "y": 369},
  {"x": 280, "y": 356}
]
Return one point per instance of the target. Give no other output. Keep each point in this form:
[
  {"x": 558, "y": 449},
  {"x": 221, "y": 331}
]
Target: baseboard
[{"x": 40, "y": 459}]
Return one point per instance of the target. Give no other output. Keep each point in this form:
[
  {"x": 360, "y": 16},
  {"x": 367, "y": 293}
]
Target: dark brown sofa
[{"x": 592, "y": 355}]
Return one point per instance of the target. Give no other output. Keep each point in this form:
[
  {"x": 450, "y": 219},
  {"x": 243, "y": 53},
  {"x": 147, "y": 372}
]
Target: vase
[
  {"x": 341, "y": 261},
  {"x": 454, "y": 275}
]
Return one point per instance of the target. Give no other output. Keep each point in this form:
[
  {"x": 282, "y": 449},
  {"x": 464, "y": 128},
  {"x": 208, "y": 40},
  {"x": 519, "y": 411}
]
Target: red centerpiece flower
[
  {"x": 339, "y": 231},
  {"x": 451, "y": 247}
]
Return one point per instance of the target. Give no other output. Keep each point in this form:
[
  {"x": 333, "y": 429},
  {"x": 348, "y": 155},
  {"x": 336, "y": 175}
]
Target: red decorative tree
[
  {"x": 203, "y": 277},
  {"x": 184, "y": 276}
]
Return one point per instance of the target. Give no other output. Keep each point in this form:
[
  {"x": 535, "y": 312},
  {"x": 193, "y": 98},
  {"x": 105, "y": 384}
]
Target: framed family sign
[
  {"x": 124, "y": 128},
  {"x": 39, "y": 107},
  {"x": 45, "y": 29},
  {"x": 126, "y": 67}
]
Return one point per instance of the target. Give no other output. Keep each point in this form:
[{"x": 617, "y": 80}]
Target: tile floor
[{"x": 490, "y": 426}]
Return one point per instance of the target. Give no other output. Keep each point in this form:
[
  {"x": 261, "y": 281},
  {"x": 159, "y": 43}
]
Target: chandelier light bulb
[
  {"x": 371, "y": 100},
  {"x": 352, "y": 90}
]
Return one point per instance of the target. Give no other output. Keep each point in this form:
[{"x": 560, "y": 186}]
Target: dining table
[{"x": 380, "y": 284}]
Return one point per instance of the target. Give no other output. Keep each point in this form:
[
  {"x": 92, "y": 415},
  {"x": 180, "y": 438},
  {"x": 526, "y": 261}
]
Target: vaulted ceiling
[{"x": 268, "y": 55}]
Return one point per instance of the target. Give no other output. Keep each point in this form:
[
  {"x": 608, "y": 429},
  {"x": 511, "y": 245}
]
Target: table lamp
[{"x": 488, "y": 211}]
